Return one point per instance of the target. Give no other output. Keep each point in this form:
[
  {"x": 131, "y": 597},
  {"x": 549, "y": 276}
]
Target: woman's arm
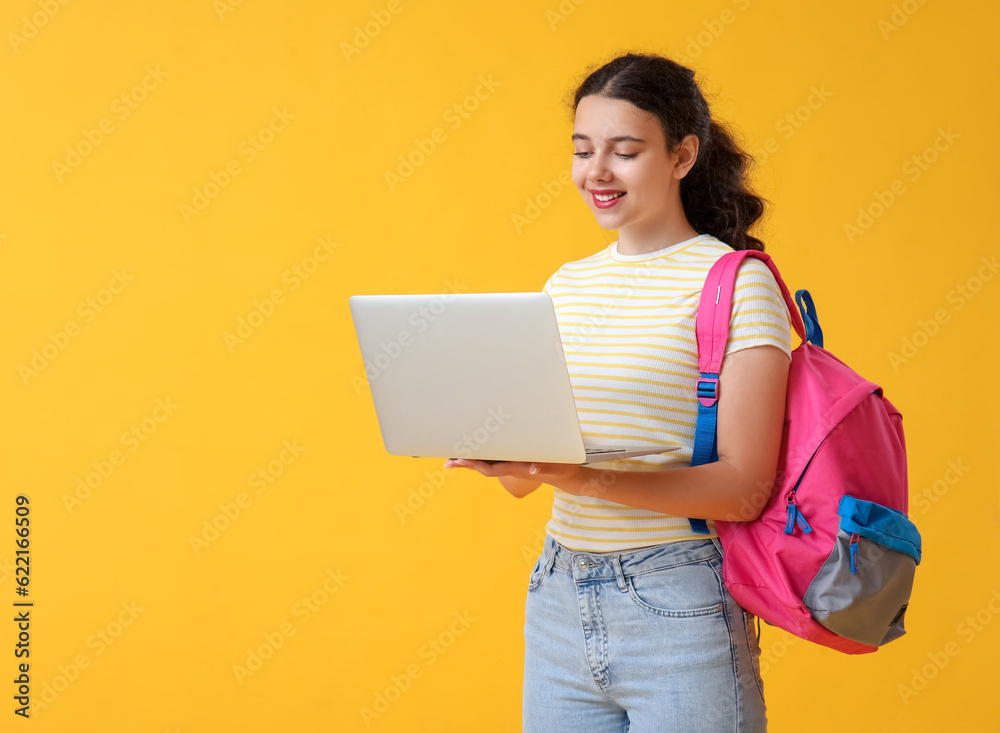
[{"x": 752, "y": 387}]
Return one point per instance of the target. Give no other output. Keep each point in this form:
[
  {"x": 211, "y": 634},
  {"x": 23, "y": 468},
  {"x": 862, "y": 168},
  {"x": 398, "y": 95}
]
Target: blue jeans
[{"x": 640, "y": 641}]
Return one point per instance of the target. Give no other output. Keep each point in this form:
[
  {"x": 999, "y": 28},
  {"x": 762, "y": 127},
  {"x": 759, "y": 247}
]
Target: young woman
[{"x": 628, "y": 626}]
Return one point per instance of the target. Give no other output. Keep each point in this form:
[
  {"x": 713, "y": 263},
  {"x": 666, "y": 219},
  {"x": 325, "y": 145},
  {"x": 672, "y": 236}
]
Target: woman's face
[{"x": 621, "y": 156}]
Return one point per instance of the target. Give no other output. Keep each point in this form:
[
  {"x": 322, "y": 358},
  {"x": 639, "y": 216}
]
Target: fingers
[
  {"x": 487, "y": 468},
  {"x": 466, "y": 463}
]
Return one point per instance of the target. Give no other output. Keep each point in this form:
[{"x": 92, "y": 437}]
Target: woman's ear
[{"x": 686, "y": 154}]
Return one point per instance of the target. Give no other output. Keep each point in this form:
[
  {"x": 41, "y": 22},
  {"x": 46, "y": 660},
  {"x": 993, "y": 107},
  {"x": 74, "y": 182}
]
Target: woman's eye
[{"x": 623, "y": 156}]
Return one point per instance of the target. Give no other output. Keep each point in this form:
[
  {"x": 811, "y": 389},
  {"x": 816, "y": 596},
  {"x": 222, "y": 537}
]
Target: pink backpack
[{"x": 832, "y": 556}]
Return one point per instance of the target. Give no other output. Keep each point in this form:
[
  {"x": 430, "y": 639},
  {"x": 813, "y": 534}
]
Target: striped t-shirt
[{"x": 627, "y": 325}]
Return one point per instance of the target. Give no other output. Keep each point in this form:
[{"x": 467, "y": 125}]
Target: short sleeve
[
  {"x": 760, "y": 315},
  {"x": 547, "y": 287}
]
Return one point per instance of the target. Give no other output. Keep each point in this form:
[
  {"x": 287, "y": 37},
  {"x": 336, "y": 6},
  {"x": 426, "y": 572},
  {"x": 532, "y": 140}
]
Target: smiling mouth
[{"x": 607, "y": 200}]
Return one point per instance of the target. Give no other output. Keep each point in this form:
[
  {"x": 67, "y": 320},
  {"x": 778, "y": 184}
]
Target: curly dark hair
[{"x": 715, "y": 193}]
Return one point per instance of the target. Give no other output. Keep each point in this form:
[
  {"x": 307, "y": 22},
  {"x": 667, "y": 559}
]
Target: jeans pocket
[
  {"x": 536, "y": 573},
  {"x": 748, "y": 623},
  {"x": 681, "y": 591}
]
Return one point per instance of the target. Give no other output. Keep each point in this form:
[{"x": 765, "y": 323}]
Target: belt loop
[
  {"x": 616, "y": 563},
  {"x": 551, "y": 548},
  {"x": 718, "y": 544}
]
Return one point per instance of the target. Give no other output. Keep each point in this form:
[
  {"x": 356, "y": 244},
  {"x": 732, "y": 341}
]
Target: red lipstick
[{"x": 594, "y": 192}]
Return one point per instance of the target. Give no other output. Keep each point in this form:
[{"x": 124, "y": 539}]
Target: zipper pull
[
  {"x": 854, "y": 553},
  {"x": 795, "y": 516},
  {"x": 803, "y": 524}
]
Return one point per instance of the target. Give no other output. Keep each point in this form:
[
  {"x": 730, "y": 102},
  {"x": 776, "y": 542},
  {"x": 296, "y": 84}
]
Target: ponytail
[{"x": 715, "y": 194}]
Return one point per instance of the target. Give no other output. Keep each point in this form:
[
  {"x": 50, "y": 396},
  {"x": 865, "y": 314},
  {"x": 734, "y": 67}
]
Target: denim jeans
[{"x": 640, "y": 641}]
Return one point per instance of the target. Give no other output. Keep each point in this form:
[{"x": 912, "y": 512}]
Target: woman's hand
[{"x": 548, "y": 473}]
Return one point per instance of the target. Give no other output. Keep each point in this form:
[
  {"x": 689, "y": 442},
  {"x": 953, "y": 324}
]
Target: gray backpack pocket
[{"x": 862, "y": 589}]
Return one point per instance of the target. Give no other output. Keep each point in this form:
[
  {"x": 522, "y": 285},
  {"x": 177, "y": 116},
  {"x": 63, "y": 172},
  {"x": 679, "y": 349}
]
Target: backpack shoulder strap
[
  {"x": 715, "y": 310},
  {"x": 716, "y": 307}
]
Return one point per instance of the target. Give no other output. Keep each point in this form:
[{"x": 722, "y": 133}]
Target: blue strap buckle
[{"x": 708, "y": 390}]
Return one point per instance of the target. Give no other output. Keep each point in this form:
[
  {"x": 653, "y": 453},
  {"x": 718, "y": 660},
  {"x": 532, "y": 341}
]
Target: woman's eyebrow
[{"x": 616, "y": 139}]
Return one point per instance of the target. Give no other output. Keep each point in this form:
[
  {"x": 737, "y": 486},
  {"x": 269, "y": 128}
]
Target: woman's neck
[{"x": 631, "y": 244}]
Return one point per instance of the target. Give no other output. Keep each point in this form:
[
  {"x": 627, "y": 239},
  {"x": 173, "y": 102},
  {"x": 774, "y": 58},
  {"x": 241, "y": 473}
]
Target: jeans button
[{"x": 582, "y": 562}]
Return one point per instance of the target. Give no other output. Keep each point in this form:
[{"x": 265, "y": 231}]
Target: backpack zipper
[
  {"x": 795, "y": 515},
  {"x": 854, "y": 552}
]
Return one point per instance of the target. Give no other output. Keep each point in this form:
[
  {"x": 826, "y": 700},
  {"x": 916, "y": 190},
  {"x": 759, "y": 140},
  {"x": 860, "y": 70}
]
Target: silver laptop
[{"x": 474, "y": 375}]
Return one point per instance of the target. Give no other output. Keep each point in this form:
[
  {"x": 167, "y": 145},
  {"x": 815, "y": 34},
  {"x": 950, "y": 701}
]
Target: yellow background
[{"x": 453, "y": 572}]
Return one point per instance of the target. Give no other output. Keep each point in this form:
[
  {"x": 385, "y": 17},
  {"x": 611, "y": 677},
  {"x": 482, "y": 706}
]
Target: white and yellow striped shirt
[{"x": 627, "y": 325}]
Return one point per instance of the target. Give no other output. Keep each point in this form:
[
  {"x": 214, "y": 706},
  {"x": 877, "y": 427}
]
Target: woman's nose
[{"x": 599, "y": 169}]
